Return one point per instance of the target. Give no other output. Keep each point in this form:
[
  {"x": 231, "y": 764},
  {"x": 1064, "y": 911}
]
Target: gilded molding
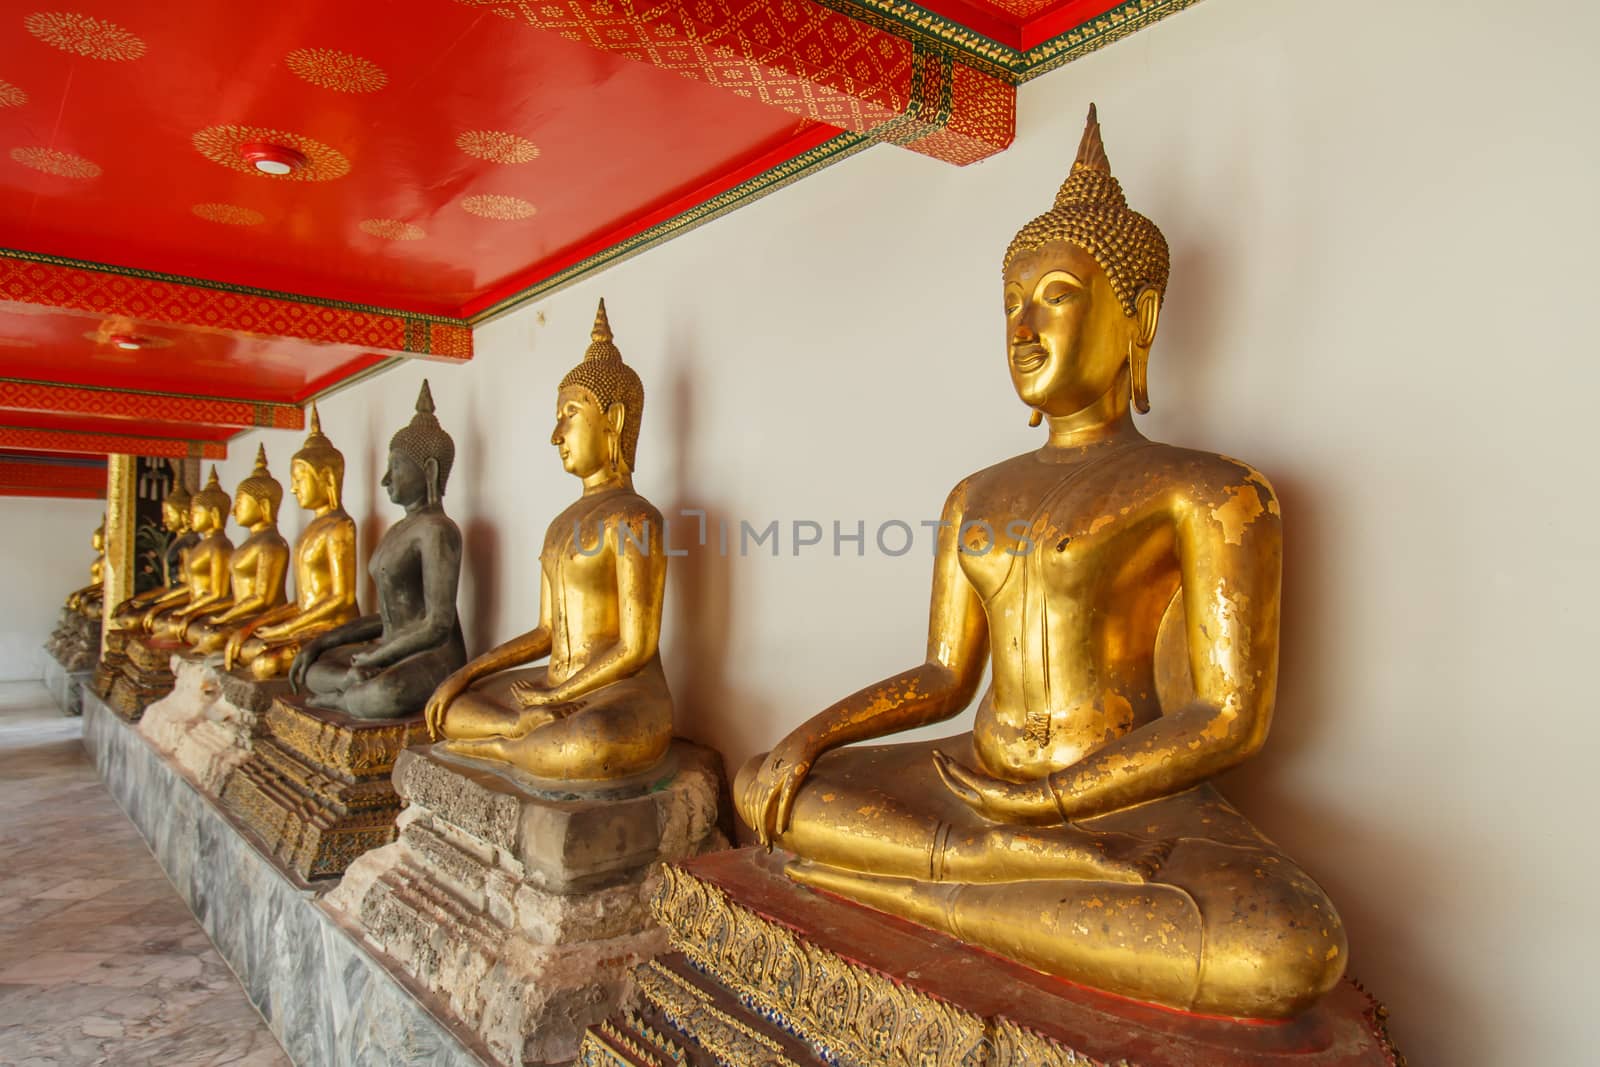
[{"x": 847, "y": 1012}]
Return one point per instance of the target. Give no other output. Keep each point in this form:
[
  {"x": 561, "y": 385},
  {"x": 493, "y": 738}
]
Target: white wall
[
  {"x": 44, "y": 555},
  {"x": 1382, "y": 218}
]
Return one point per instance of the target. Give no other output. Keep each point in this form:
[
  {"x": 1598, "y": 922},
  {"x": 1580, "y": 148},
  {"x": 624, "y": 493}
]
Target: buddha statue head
[
  {"x": 210, "y": 506},
  {"x": 175, "y": 514},
  {"x": 1083, "y": 289},
  {"x": 316, "y": 472},
  {"x": 258, "y": 497},
  {"x": 420, "y": 457},
  {"x": 98, "y": 538},
  {"x": 598, "y": 409}
]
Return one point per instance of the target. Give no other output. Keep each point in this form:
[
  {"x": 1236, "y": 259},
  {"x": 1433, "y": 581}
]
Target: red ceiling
[
  {"x": 190, "y": 360},
  {"x": 611, "y": 138}
]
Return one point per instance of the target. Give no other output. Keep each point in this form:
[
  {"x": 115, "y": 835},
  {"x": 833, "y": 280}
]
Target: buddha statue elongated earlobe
[
  {"x": 1139, "y": 377},
  {"x": 1035, "y": 418}
]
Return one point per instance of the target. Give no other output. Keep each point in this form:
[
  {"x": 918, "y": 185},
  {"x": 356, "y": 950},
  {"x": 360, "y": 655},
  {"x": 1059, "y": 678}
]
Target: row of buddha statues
[{"x": 1132, "y": 654}]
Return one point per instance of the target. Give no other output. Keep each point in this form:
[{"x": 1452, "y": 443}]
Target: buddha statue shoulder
[
  {"x": 258, "y": 566},
  {"x": 177, "y": 517},
  {"x": 1125, "y": 594},
  {"x": 386, "y": 665},
  {"x": 600, "y": 707},
  {"x": 324, "y": 561},
  {"x": 86, "y": 599},
  {"x": 206, "y": 586}
]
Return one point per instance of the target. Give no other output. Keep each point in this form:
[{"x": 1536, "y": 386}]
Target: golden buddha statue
[
  {"x": 86, "y": 600},
  {"x": 600, "y": 709},
  {"x": 1126, "y": 595},
  {"x": 205, "y": 585},
  {"x": 387, "y": 665},
  {"x": 178, "y": 519},
  {"x": 258, "y": 566},
  {"x": 324, "y": 566}
]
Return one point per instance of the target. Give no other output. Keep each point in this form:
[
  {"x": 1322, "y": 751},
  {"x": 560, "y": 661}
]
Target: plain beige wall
[
  {"x": 1382, "y": 219},
  {"x": 44, "y": 554}
]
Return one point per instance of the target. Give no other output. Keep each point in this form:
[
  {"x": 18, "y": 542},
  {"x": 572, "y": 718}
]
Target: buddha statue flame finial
[
  {"x": 1091, "y": 212},
  {"x": 423, "y": 438},
  {"x": 610, "y": 381}
]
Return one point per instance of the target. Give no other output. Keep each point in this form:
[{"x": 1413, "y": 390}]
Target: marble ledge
[
  {"x": 65, "y": 687},
  {"x": 327, "y": 999}
]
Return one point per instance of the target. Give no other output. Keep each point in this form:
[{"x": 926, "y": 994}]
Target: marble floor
[{"x": 100, "y": 961}]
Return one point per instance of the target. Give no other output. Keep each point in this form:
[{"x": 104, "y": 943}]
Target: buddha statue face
[
  {"x": 312, "y": 488},
  {"x": 408, "y": 481},
  {"x": 1068, "y": 337},
  {"x": 202, "y": 518},
  {"x": 173, "y": 516},
  {"x": 249, "y": 510},
  {"x": 98, "y": 539},
  {"x": 585, "y": 435}
]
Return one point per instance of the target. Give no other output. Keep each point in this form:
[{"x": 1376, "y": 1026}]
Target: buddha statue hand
[
  {"x": 303, "y": 661},
  {"x": 997, "y": 799},
  {"x": 439, "y": 704},
  {"x": 772, "y": 790}
]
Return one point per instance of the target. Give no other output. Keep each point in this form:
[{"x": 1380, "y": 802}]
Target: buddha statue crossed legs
[
  {"x": 600, "y": 709},
  {"x": 385, "y": 666},
  {"x": 1126, "y": 596}
]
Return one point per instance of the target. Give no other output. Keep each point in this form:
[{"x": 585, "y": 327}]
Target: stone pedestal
[
  {"x": 75, "y": 642},
  {"x": 146, "y": 675},
  {"x": 329, "y": 1000},
  {"x": 522, "y": 902},
  {"x": 315, "y": 788},
  {"x": 767, "y": 972},
  {"x": 200, "y": 727},
  {"x": 65, "y": 686}
]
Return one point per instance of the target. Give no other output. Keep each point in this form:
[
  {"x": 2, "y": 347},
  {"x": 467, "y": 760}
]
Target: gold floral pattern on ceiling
[
  {"x": 392, "y": 230},
  {"x": 229, "y": 214},
  {"x": 84, "y": 35},
  {"x": 10, "y": 95},
  {"x": 339, "y": 71},
  {"x": 222, "y": 144},
  {"x": 497, "y": 146},
  {"x": 56, "y": 162},
  {"x": 498, "y": 206}
]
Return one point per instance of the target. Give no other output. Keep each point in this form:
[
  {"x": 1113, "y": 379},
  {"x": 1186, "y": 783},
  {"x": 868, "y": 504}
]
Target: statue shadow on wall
[
  {"x": 700, "y": 584},
  {"x": 370, "y": 523},
  {"x": 480, "y": 563}
]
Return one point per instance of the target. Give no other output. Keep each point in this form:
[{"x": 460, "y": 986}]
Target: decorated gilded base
[
  {"x": 145, "y": 676},
  {"x": 316, "y": 787},
  {"x": 112, "y": 660},
  {"x": 767, "y": 972},
  {"x": 522, "y": 903}
]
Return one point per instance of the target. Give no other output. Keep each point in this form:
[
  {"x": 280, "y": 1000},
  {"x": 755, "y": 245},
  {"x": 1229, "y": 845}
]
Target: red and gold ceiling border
[
  {"x": 33, "y": 439},
  {"x": 42, "y": 477},
  {"x": 22, "y": 395},
  {"x": 1064, "y": 35},
  {"x": 816, "y": 61},
  {"x": 57, "y": 282}
]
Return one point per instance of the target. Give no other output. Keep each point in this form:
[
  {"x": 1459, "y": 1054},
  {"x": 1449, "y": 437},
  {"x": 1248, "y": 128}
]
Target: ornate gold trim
[{"x": 847, "y": 1012}]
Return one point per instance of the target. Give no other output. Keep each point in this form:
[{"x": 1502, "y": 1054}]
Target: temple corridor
[{"x": 100, "y": 961}]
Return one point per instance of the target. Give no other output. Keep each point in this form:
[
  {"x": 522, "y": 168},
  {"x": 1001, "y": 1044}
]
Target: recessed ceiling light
[{"x": 272, "y": 159}]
